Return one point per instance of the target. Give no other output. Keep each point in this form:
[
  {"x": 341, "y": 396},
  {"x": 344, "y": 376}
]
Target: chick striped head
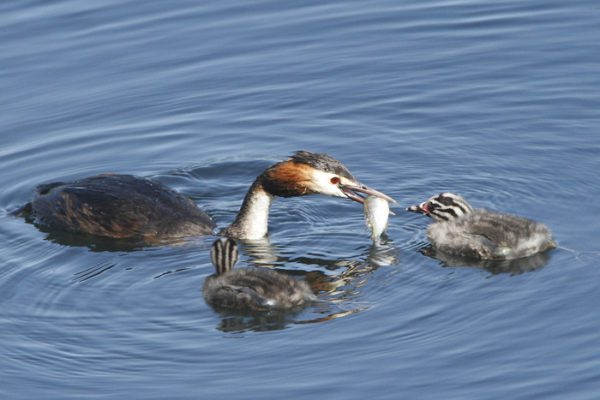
[
  {"x": 443, "y": 207},
  {"x": 224, "y": 255}
]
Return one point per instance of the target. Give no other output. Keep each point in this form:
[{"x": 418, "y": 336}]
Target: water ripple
[{"x": 496, "y": 101}]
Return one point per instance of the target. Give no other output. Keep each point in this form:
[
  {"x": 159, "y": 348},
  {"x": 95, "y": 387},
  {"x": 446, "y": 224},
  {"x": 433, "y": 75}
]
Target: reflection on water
[
  {"x": 99, "y": 243},
  {"x": 335, "y": 291},
  {"x": 512, "y": 267},
  {"x": 93, "y": 243},
  {"x": 266, "y": 321},
  {"x": 273, "y": 320},
  {"x": 262, "y": 253}
]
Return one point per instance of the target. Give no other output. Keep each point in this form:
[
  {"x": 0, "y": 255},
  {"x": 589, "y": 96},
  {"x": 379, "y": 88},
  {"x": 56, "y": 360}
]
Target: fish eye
[{"x": 335, "y": 180}]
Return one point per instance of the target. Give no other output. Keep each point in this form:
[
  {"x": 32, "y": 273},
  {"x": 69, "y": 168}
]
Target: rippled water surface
[{"x": 498, "y": 101}]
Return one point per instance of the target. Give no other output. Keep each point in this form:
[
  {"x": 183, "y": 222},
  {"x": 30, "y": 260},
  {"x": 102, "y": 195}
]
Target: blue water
[{"x": 498, "y": 101}]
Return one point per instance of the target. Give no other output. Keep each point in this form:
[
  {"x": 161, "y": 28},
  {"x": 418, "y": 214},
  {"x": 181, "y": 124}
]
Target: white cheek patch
[{"x": 321, "y": 183}]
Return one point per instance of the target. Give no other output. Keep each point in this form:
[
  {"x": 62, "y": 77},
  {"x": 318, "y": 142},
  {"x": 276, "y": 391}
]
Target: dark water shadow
[
  {"x": 96, "y": 243},
  {"x": 240, "y": 321},
  {"x": 512, "y": 267},
  {"x": 271, "y": 321},
  {"x": 93, "y": 243},
  {"x": 333, "y": 291}
]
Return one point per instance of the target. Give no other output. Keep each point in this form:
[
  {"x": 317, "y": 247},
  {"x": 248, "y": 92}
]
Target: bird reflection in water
[
  {"x": 336, "y": 292},
  {"x": 495, "y": 267}
]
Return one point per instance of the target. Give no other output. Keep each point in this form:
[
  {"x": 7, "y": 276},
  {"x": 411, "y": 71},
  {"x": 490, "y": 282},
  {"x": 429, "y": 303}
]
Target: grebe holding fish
[{"x": 130, "y": 207}]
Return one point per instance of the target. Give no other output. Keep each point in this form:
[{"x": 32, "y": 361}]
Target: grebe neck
[{"x": 252, "y": 221}]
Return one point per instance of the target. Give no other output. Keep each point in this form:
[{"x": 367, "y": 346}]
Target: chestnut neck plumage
[{"x": 252, "y": 221}]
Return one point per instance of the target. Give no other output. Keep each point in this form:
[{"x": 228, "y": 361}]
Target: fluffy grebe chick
[
  {"x": 463, "y": 231},
  {"x": 250, "y": 289},
  {"x": 125, "y": 206}
]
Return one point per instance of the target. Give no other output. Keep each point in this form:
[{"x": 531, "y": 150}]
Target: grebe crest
[
  {"x": 250, "y": 289},
  {"x": 459, "y": 229}
]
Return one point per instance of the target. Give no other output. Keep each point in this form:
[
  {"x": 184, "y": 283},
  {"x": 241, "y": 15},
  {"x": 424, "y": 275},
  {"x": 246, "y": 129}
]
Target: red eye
[{"x": 335, "y": 180}]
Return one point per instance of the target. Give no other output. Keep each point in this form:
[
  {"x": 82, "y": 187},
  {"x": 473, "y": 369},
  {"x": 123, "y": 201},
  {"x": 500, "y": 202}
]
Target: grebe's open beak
[
  {"x": 352, "y": 192},
  {"x": 422, "y": 208}
]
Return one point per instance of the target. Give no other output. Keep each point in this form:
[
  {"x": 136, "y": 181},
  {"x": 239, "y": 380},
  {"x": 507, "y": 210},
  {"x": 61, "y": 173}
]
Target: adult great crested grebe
[
  {"x": 460, "y": 230},
  {"x": 250, "y": 289},
  {"x": 129, "y": 207}
]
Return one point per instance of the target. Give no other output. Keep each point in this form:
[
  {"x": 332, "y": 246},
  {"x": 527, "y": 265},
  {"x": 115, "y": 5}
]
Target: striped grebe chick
[
  {"x": 250, "y": 289},
  {"x": 129, "y": 207},
  {"x": 460, "y": 230}
]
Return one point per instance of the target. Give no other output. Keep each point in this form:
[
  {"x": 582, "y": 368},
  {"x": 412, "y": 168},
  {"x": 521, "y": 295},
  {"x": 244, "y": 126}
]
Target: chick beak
[
  {"x": 352, "y": 192},
  {"x": 422, "y": 208}
]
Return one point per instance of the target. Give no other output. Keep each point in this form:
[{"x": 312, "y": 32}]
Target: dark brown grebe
[
  {"x": 125, "y": 206},
  {"x": 460, "y": 230},
  {"x": 250, "y": 289}
]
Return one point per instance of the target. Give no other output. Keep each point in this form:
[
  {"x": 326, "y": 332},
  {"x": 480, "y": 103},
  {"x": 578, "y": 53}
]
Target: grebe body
[
  {"x": 118, "y": 206},
  {"x": 125, "y": 206},
  {"x": 250, "y": 289},
  {"x": 460, "y": 230}
]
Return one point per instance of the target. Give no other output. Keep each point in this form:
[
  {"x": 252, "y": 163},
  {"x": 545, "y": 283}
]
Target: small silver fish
[{"x": 377, "y": 211}]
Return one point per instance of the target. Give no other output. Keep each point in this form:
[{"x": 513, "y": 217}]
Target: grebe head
[
  {"x": 224, "y": 255},
  {"x": 313, "y": 173},
  {"x": 443, "y": 207}
]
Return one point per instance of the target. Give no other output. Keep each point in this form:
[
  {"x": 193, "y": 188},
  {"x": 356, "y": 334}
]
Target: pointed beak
[
  {"x": 352, "y": 192},
  {"x": 422, "y": 208}
]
